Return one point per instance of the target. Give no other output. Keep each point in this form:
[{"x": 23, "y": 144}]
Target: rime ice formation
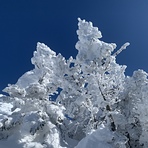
[{"x": 97, "y": 105}]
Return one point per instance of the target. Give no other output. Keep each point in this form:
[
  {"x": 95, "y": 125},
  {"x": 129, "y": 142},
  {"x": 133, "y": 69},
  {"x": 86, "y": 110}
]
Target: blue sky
[{"x": 25, "y": 22}]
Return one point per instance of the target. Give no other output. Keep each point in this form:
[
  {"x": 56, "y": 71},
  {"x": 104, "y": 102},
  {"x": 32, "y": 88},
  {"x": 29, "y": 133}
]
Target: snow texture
[{"x": 97, "y": 105}]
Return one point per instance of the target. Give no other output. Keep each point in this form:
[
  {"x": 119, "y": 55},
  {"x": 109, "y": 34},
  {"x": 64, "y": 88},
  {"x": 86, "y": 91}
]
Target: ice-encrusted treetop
[
  {"x": 97, "y": 105},
  {"x": 87, "y": 31},
  {"x": 89, "y": 46}
]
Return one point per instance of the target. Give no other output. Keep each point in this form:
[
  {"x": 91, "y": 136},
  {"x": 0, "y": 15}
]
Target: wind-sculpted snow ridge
[{"x": 97, "y": 106}]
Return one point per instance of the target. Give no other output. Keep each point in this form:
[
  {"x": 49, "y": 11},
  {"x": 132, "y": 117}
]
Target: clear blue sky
[{"x": 54, "y": 22}]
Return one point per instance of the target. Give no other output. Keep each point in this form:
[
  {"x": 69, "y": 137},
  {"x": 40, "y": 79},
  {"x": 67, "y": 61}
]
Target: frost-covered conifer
[{"x": 97, "y": 105}]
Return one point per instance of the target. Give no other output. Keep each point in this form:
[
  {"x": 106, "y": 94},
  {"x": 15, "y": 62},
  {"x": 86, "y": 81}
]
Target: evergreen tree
[{"x": 96, "y": 104}]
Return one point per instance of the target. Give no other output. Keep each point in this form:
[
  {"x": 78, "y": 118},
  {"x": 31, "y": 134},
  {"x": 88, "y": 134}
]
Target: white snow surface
[
  {"x": 5, "y": 108},
  {"x": 97, "y": 139}
]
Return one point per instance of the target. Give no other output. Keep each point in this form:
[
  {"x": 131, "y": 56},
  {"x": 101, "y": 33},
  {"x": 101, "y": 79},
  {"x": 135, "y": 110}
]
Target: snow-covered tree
[{"x": 97, "y": 106}]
